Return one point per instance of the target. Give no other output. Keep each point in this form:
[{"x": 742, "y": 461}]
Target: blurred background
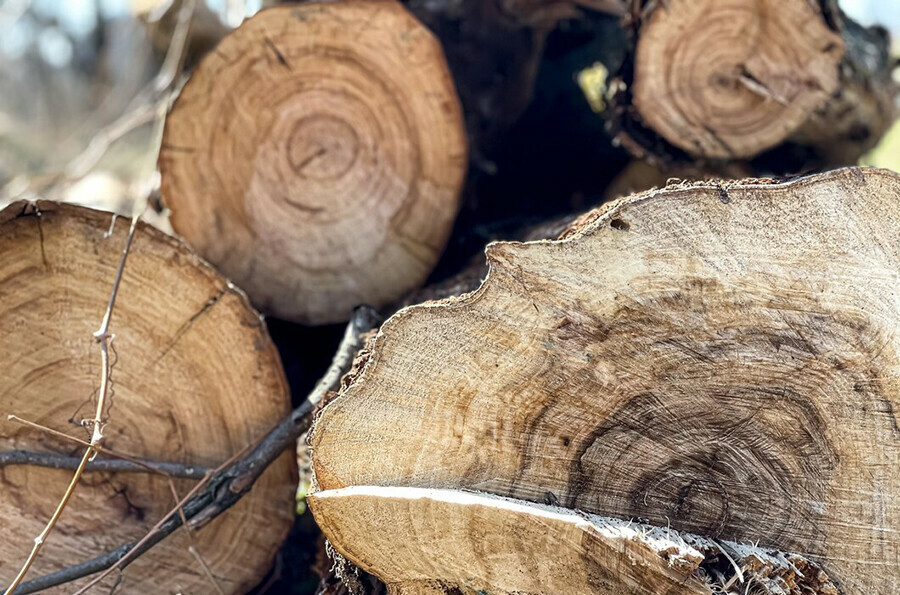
[{"x": 84, "y": 85}]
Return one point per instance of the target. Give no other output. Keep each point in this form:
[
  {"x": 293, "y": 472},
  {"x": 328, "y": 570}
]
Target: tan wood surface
[
  {"x": 730, "y": 78},
  {"x": 195, "y": 378},
  {"x": 720, "y": 359},
  {"x": 316, "y": 157}
]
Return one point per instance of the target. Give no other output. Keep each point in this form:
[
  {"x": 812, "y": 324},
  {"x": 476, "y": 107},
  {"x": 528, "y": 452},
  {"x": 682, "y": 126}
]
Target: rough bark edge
[
  {"x": 762, "y": 561},
  {"x": 586, "y": 224},
  {"x": 629, "y": 131}
]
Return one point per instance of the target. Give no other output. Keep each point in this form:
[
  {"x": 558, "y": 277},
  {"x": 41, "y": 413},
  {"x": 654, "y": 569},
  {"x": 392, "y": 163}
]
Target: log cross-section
[
  {"x": 719, "y": 358},
  {"x": 727, "y": 79},
  {"x": 316, "y": 157},
  {"x": 194, "y": 380}
]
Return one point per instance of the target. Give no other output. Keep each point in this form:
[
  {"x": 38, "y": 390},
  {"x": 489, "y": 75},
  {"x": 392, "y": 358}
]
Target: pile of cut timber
[
  {"x": 694, "y": 391},
  {"x": 689, "y": 391}
]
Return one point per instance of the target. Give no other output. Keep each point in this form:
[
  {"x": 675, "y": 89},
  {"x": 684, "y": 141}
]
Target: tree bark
[
  {"x": 718, "y": 358},
  {"x": 316, "y": 157},
  {"x": 195, "y": 379}
]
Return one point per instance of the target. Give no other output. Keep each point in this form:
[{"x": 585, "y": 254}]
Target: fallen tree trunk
[
  {"x": 715, "y": 358},
  {"x": 316, "y": 157},
  {"x": 195, "y": 379},
  {"x": 731, "y": 80}
]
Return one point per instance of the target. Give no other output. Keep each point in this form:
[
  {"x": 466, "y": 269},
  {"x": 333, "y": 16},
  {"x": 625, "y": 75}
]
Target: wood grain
[
  {"x": 316, "y": 157},
  {"x": 722, "y": 359},
  {"x": 435, "y": 542},
  {"x": 727, "y": 79},
  {"x": 195, "y": 379}
]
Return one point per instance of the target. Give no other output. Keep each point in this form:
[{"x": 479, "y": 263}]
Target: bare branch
[
  {"x": 57, "y": 461},
  {"x": 101, "y": 449}
]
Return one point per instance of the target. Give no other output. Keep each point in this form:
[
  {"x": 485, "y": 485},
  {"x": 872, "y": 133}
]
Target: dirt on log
[
  {"x": 316, "y": 157},
  {"x": 195, "y": 379},
  {"x": 717, "y": 358}
]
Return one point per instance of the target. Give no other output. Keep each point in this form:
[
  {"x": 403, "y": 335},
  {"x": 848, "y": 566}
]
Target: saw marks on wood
[
  {"x": 730, "y": 78},
  {"x": 195, "y": 379},
  {"x": 316, "y": 157},
  {"x": 719, "y": 359}
]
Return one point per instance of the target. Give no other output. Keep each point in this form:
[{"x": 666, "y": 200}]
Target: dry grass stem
[{"x": 103, "y": 337}]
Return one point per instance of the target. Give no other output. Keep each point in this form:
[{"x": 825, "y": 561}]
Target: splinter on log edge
[
  {"x": 716, "y": 358},
  {"x": 316, "y": 157}
]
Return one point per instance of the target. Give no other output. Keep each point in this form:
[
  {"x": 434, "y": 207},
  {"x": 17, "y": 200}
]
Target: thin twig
[
  {"x": 206, "y": 569},
  {"x": 103, "y": 337},
  {"x": 364, "y": 320},
  {"x": 223, "y": 487},
  {"x": 48, "y": 528},
  {"x": 100, "y": 448},
  {"x": 46, "y": 430},
  {"x": 57, "y": 461},
  {"x": 193, "y": 550},
  {"x": 150, "y": 539}
]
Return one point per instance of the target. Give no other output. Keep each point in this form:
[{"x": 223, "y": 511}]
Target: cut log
[
  {"x": 316, "y": 157},
  {"x": 195, "y": 379},
  {"x": 718, "y": 358},
  {"x": 737, "y": 79},
  {"x": 728, "y": 79},
  {"x": 438, "y": 542}
]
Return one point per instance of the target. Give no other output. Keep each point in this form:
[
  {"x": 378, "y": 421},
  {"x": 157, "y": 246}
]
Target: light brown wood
[
  {"x": 316, "y": 157},
  {"x": 721, "y": 359},
  {"x": 195, "y": 379},
  {"x": 730, "y": 78},
  {"x": 424, "y": 542}
]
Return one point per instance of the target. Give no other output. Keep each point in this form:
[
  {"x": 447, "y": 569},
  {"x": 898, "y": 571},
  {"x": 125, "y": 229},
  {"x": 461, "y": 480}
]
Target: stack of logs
[{"x": 688, "y": 390}]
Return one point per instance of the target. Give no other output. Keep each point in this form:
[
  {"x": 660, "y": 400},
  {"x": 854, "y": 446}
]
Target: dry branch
[
  {"x": 715, "y": 357},
  {"x": 55, "y": 461},
  {"x": 316, "y": 157}
]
